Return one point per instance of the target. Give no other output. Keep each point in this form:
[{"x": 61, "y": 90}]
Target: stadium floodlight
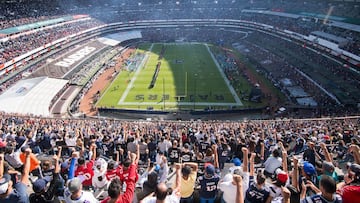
[
  {"x": 160, "y": 2},
  {"x": 215, "y": 2},
  {"x": 139, "y": 4},
  {"x": 177, "y": 3}
]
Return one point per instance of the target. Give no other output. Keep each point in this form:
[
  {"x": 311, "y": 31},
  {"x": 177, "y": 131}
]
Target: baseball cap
[
  {"x": 309, "y": 169},
  {"x": 157, "y": 167},
  {"x": 40, "y": 184},
  {"x": 4, "y": 183},
  {"x": 74, "y": 184},
  {"x": 237, "y": 162},
  {"x": 282, "y": 176},
  {"x": 210, "y": 169}
]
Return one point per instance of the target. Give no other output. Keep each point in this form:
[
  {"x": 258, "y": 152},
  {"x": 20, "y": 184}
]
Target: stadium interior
[{"x": 139, "y": 85}]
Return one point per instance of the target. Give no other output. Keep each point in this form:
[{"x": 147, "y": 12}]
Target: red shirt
[
  {"x": 127, "y": 197},
  {"x": 110, "y": 174},
  {"x": 87, "y": 170},
  {"x": 350, "y": 193},
  {"x": 124, "y": 174}
]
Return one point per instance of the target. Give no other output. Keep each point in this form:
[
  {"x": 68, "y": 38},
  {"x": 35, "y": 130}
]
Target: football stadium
[{"x": 231, "y": 101}]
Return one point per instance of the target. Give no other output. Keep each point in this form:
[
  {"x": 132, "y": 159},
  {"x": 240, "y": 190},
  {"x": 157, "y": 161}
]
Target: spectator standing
[
  {"x": 75, "y": 194},
  {"x": 272, "y": 163},
  {"x": 188, "y": 179},
  {"x": 161, "y": 191},
  {"x": 228, "y": 186},
  {"x": 187, "y": 155},
  {"x": 143, "y": 147},
  {"x": 152, "y": 146},
  {"x": 164, "y": 145},
  {"x": 115, "y": 187},
  {"x": 174, "y": 153},
  {"x": 257, "y": 192},
  {"x": 10, "y": 193},
  {"x": 85, "y": 168},
  {"x": 208, "y": 184},
  {"x": 310, "y": 154},
  {"x": 327, "y": 192},
  {"x": 350, "y": 191},
  {"x": 44, "y": 194}
]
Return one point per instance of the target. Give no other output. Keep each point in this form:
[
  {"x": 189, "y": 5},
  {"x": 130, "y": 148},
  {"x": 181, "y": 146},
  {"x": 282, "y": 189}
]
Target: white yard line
[
  {"x": 138, "y": 70},
  {"x": 237, "y": 99}
]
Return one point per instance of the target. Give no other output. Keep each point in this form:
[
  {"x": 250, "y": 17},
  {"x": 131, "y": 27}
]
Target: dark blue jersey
[
  {"x": 255, "y": 195},
  {"x": 208, "y": 186},
  {"x": 321, "y": 199}
]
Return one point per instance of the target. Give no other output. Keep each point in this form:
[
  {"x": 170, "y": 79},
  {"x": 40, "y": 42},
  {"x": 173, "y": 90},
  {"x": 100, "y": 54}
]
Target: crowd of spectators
[
  {"x": 277, "y": 68},
  {"x": 25, "y": 43},
  {"x": 306, "y": 25},
  {"x": 133, "y": 161},
  {"x": 13, "y": 76},
  {"x": 166, "y": 10},
  {"x": 329, "y": 74}
]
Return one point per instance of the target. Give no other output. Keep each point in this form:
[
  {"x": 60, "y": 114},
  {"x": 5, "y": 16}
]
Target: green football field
[{"x": 188, "y": 78}]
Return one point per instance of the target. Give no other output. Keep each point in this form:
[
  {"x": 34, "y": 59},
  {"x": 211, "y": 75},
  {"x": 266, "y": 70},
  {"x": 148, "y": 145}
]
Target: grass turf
[{"x": 188, "y": 79}]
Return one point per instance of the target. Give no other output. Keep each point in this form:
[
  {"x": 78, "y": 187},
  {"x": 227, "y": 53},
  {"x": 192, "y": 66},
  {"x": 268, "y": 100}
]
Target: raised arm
[
  {"x": 284, "y": 157},
  {"x": 216, "y": 158},
  {"x": 137, "y": 153},
  {"x": 25, "y": 173},
  {"x": 93, "y": 149},
  {"x": 71, "y": 173},
  {"x": 178, "y": 177},
  {"x": 239, "y": 189},
  {"x": 295, "y": 174},
  {"x": 128, "y": 195},
  {"x": 286, "y": 194},
  {"x": 56, "y": 159},
  {"x": 262, "y": 152},
  {"x": 245, "y": 159},
  {"x": 327, "y": 155},
  {"x": 252, "y": 164}
]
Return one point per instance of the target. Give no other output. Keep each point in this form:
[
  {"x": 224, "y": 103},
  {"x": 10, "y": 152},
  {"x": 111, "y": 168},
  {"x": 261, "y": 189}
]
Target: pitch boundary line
[
  {"x": 130, "y": 85},
  {"x": 237, "y": 99}
]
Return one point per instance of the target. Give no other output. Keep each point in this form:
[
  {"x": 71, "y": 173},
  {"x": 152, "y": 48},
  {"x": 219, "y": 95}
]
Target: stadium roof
[
  {"x": 330, "y": 37},
  {"x": 287, "y": 15},
  {"x": 346, "y": 26},
  {"x": 31, "y": 96}
]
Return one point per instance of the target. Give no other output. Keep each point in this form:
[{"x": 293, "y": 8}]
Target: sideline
[
  {"x": 128, "y": 88},
  {"x": 236, "y": 97}
]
